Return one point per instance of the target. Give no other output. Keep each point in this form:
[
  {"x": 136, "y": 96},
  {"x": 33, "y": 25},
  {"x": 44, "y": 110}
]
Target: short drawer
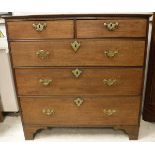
[
  {"x": 90, "y": 52},
  {"x": 40, "y": 29},
  {"x": 79, "y": 81},
  {"x": 93, "y": 111},
  {"x": 111, "y": 28}
]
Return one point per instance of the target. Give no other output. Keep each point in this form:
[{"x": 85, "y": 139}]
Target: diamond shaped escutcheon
[
  {"x": 76, "y": 72},
  {"x": 75, "y": 46},
  {"x": 78, "y": 101}
]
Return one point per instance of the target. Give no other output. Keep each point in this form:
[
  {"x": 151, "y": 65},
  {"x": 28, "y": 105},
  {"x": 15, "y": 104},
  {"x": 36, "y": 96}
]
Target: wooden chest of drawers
[{"x": 79, "y": 70}]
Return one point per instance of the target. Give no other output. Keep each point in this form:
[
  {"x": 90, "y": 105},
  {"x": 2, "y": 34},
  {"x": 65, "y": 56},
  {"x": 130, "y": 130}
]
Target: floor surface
[{"x": 11, "y": 130}]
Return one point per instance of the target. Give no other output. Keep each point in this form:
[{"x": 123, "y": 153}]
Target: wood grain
[
  {"x": 96, "y": 28},
  {"x": 127, "y": 68},
  {"x": 90, "y": 53},
  {"x": 89, "y": 113},
  {"x": 131, "y": 130},
  {"x": 90, "y": 81},
  {"x": 54, "y": 29}
]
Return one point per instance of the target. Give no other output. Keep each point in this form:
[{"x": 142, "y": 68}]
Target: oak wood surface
[
  {"x": 31, "y": 130},
  {"x": 124, "y": 96},
  {"x": 90, "y": 53},
  {"x": 89, "y": 113},
  {"x": 96, "y": 28},
  {"x": 54, "y": 29},
  {"x": 131, "y": 130},
  {"x": 90, "y": 82}
]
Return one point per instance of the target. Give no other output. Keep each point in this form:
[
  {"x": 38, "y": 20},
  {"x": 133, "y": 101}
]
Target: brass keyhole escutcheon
[
  {"x": 77, "y": 72},
  {"x": 78, "y": 101},
  {"x": 75, "y": 46},
  {"x": 39, "y": 26},
  {"x": 111, "y": 26}
]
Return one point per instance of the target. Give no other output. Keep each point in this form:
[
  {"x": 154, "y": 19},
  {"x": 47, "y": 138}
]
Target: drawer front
[
  {"x": 46, "y": 29},
  {"x": 81, "y": 81},
  {"x": 90, "y": 53},
  {"x": 97, "y": 111},
  {"x": 111, "y": 28}
]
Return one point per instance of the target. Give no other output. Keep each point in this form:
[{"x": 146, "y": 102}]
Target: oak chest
[{"x": 79, "y": 70}]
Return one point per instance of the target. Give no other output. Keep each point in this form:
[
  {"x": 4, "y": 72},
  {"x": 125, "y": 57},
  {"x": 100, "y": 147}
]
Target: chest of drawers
[{"x": 79, "y": 70}]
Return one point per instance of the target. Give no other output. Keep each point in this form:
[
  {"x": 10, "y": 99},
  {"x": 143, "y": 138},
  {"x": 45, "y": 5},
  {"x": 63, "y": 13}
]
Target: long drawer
[
  {"x": 81, "y": 81},
  {"x": 93, "y": 111},
  {"x": 40, "y": 29},
  {"x": 90, "y": 53},
  {"x": 111, "y": 28}
]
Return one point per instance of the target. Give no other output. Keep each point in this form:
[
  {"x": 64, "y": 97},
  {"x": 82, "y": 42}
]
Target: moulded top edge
[{"x": 146, "y": 15}]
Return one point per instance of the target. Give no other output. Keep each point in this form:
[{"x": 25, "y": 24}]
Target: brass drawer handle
[
  {"x": 78, "y": 101},
  {"x": 110, "y": 54},
  {"x": 109, "y": 112},
  {"x": 75, "y": 46},
  {"x": 45, "y": 82},
  {"x": 39, "y": 26},
  {"x": 109, "y": 82},
  {"x": 42, "y": 54},
  {"x": 48, "y": 112},
  {"x": 77, "y": 72},
  {"x": 111, "y": 26}
]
